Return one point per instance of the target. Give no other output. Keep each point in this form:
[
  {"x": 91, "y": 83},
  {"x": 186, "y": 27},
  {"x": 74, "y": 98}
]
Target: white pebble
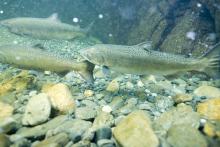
[
  {"x": 100, "y": 16},
  {"x": 203, "y": 121},
  {"x": 32, "y": 93},
  {"x": 154, "y": 94},
  {"x": 107, "y": 109},
  {"x": 140, "y": 84},
  {"x": 75, "y": 19},
  {"x": 147, "y": 91},
  {"x": 47, "y": 72}
]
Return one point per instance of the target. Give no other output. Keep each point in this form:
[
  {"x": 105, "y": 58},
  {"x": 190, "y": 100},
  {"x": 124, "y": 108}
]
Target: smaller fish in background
[
  {"x": 142, "y": 60},
  {"x": 35, "y": 58},
  {"x": 44, "y": 28}
]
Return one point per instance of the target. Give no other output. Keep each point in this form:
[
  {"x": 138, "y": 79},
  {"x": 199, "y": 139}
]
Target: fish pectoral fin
[{"x": 87, "y": 72}]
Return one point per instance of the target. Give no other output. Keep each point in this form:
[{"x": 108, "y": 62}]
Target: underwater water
[{"x": 110, "y": 73}]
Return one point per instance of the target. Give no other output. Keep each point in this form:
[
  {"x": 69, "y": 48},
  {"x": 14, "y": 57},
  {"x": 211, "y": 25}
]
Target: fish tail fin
[
  {"x": 87, "y": 71},
  {"x": 211, "y": 66}
]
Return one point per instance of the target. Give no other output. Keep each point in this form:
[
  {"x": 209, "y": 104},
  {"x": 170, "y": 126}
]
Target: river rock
[
  {"x": 135, "y": 130},
  {"x": 75, "y": 128},
  {"x": 210, "y": 109},
  {"x": 103, "y": 119},
  {"x": 39, "y": 130},
  {"x": 182, "y": 97},
  {"x": 37, "y": 110},
  {"x": 85, "y": 113},
  {"x": 116, "y": 103},
  {"x": 212, "y": 129},
  {"x": 8, "y": 124},
  {"x": 180, "y": 115},
  {"x": 208, "y": 91},
  {"x": 55, "y": 141},
  {"x": 6, "y": 110},
  {"x": 61, "y": 98},
  {"x": 113, "y": 86},
  {"x": 88, "y": 93},
  {"x": 4, "y": 141},
  {"x": 185, "y": 136},
  {"x": 17, "y": 83}
]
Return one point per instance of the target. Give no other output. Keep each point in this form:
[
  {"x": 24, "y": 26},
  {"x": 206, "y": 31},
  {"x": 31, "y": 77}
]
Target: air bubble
[
  {"x": 75, "y": 19},
  {"x": 101, "y": 16}
]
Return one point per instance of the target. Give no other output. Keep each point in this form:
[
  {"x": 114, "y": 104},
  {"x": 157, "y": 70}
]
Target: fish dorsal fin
[{"x": 54, "y": 17}]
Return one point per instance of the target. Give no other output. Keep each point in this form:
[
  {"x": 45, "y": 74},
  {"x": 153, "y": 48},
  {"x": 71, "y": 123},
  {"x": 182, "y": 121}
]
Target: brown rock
[
  {"x": 182, "y": 97},
  {"x": 17, "y": 83},
  {"x": 185, "y": 136},
  {"x": 61, "y": 98},
  {"x": 88, "y": 93},
  {"x": 210, "y": 109},
  {"x": 180, "y": 115},
  {"x": 4, "y": 141},
  {"x": 113, "y": 86},
  {"x": 209, "y": 129},
  {"x": 135, "y": 131},
  {"x": 208, "y": 91},
  {"x": 6, "y": 110},
  {"x": 58, "y": 140}
]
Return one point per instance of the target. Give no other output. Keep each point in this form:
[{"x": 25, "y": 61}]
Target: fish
[
  {"x": 27, "y": 57},
  {"x": 142, "y": 60},
  {"x": 44, "y": 28}
]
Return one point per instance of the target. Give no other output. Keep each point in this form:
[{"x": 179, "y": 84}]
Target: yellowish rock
[
  {"x": 61, "y": 98},
  {"x": 182, "y": 97},
  {"x": 210, "y": 109},
  {"x": 54, "y": 141},
  {"x": 209, "y": 129},
  {"x": 88, "y": 93},
  {"x": 17, "y": 83},
  {"x": 46, "y": 87},
  {"x": 113, "y": 86},
  {"x": 135, "y": 131},
  {"x": 208, "y": 91},
  {"x": 6, "y": 110}
]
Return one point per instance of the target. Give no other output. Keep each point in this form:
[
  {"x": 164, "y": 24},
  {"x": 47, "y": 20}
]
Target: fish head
[{"x": 93, "y": 54}]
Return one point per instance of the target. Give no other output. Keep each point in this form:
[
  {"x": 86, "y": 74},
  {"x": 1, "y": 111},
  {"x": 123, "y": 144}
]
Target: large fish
[
  {"x": 44, "y": 28},
  {"x": 36, "y": 58},
  {"x": 141, "y": 60}
]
